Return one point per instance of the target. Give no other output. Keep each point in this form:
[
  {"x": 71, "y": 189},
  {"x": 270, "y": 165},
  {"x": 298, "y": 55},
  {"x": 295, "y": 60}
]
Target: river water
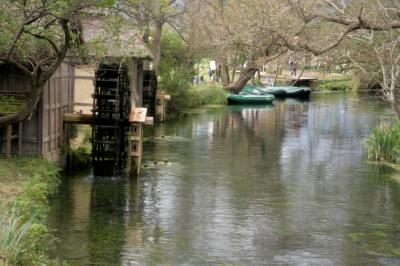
[{"x": 287, "y": 184}]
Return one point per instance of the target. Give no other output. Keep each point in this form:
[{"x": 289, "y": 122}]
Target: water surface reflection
[{"x": 274, "y": 185}]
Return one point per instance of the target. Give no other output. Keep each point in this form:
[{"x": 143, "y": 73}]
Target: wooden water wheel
[{"x": 111, "y": 107}]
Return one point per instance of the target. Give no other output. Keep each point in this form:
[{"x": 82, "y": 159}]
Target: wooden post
[
  {"x": 137, "y": 118},
  {"x": 8, "y": 141},
  {"x": 161, "y": 104},
  {"x": 136, "y": 142},
  {"x": 20, "y": 138}
]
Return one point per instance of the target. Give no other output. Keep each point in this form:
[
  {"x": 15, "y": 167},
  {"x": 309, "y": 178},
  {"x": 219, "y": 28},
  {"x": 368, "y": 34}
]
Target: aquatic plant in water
[{"x": 383, "y": 144}]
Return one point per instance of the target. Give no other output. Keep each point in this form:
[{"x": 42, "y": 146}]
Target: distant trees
[
  {"x": 261, "y": 31},
  {"x": 36, "y": 35}
]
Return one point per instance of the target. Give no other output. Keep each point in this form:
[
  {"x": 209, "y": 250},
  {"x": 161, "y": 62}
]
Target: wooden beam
[{"x": 70, "y": 118}]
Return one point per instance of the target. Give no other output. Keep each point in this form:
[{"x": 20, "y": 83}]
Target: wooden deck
[{"x": 76, "y": 118}]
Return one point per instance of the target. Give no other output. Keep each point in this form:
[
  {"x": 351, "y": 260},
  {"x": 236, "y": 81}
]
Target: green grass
[
  {"x": 383, "y": 144},
  {"x": 334, "y": 85},
  {"x": 27, "y": 183}
]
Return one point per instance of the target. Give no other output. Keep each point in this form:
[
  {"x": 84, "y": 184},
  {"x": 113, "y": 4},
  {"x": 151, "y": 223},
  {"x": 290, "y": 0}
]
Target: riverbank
[
  {"x": 196, "y": 96},
  {"x": 334, "y": 84},
  {"x": 25, "y": 185}
]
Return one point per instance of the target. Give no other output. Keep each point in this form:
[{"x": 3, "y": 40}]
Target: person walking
[{"x": 294, "y": 69}]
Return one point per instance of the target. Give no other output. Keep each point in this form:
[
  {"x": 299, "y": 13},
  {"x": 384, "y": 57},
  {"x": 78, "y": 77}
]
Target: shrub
[
  {"x": 335, "y": 85},
  {"x": 79, "y": 158},
  {"x": 210, "y": 93},
  {"x": 383, "y": 144}
]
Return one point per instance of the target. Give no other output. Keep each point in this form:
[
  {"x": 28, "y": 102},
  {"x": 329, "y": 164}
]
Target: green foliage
[
  {"x": 383, "y": 144},
  {"x": 176, "y": 72},
  {"x": 80, "y": 157},
  {"x": 195, "y": 96},
  {"x": 24, "y": 239},
  {"x": 80, "y": 150},
  {"x": 16, "y": 237},
  {"x": 335, "y": 85},
  {"x": 176, "y": 77},
  {"x": 208, "y": 93}
]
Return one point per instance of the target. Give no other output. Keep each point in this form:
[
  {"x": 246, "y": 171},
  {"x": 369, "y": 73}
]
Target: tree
[
  {"x": 373, "y": 45},
  {"x": 264, "y": 30},
  {"x": 35, "y": 38},
  {"x": 153, "y": 15}
]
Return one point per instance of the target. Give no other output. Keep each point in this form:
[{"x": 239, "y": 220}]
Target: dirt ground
[{"x": 11, "y": 181}]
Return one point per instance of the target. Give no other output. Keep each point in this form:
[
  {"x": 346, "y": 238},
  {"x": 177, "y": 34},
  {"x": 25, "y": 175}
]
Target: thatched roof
[{"x": 111, "y": 38}]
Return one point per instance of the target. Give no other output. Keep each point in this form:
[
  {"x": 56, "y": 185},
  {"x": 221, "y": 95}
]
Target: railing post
[{"x": 161, "y": 104}]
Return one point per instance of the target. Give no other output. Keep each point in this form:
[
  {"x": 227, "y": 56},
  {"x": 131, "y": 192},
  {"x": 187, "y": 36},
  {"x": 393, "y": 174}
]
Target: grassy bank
[
  {"x": 345, "y": 84},
  {"x": 25, "y": 185},
  {"x": 194, "y": 96}
]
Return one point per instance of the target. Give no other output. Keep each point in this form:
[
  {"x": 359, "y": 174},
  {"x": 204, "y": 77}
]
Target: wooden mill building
[
  {"x": 68, "y": 91},
  {"x": 42, "y": 132}
]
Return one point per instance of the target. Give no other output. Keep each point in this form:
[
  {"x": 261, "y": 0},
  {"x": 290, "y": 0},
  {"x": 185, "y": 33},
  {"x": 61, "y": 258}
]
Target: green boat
[
  {"x": 301, "y": 92},
  {"x": 252, "y": 90},
  {"x": 244, "y": 98}
]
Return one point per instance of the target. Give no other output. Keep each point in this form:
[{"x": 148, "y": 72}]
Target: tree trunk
[
  {"x": 233, "y": 74},
  {"x": 258, "y": 76},
  {"x": 157, "y": 47},
  {"x": 245, "y": 75},
  {"x": 224, "y": 73},
  {"x": 276, "y": 74}
]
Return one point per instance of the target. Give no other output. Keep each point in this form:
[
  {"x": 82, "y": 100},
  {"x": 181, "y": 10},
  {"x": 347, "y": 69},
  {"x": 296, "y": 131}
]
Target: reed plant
[
  {"x": 16, "y": 236},
  {"x": 383, "y": 144}
]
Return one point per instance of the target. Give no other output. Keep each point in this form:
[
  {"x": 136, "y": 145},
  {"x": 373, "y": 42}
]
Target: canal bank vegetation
[
  {"x": 383, "y": 144},
  {"x": 25, "y": 186},
  {"x": 79, "y": 151},
  {"x": 195, "y": 96},
  {"x": 326, "y": 85},
  {"x": 177, "y": 74}
]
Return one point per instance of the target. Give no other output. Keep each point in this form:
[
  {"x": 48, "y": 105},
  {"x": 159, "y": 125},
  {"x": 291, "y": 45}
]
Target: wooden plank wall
[
  {"x": 42, "y": 133},
  {"x": 12, "y": 83},
  {"x": 55, "y": 102}
]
